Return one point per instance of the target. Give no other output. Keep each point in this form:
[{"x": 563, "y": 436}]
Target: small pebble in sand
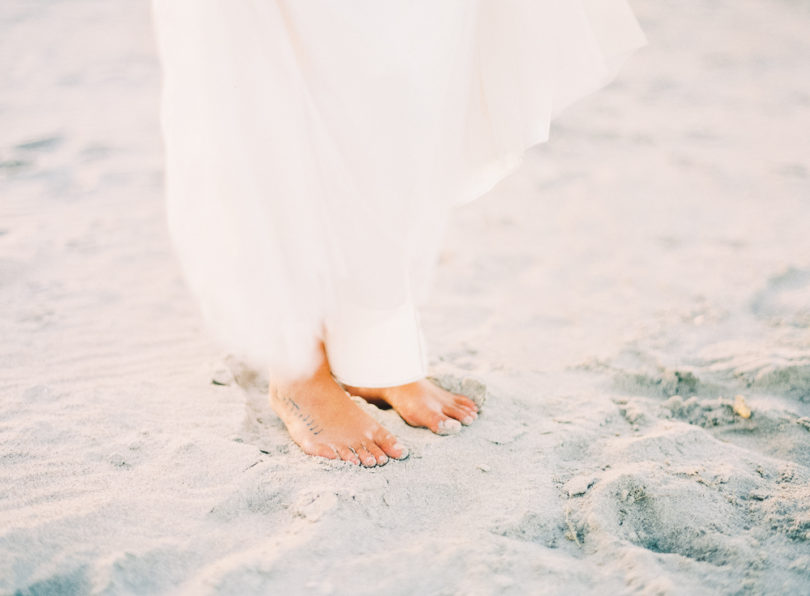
[
  {"x": 740, "y": 407},
  {"x": 117, "y": 460},
  {"x": 483, "y": 467},
  {"x": 578, "y": 485},
  {"x": 221, "y": 374}
]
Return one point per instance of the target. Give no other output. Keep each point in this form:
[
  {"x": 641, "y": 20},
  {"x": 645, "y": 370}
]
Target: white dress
[{"x": 314, "y": 149}]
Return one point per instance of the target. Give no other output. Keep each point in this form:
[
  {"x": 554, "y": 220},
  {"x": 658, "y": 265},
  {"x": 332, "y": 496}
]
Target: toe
[
  {"x": 378, "y": 454},
  {"x": 442, "y": 425},
  {"x": 466, "y": 402},
  {"x": 366, "y": 458},
  {"x": 348, "y": 455},
  {"x": 462, "y": 414},
  {"x": 471, "y": 415},
  {"x": 390, "y": 445}
]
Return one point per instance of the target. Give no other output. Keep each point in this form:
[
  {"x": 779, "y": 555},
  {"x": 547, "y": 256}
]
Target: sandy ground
[{"x": 640, "y": 271}]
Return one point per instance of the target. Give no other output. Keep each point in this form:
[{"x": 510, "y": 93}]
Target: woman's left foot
[{"x": 424, "y": 404}]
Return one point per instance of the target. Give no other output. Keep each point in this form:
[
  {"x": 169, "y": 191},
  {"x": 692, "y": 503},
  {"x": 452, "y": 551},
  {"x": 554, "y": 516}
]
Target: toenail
[
  {"x": 382, "y": 460},
  {"x": 468, "y": 420},
  {"x": 404, "y": 450}
]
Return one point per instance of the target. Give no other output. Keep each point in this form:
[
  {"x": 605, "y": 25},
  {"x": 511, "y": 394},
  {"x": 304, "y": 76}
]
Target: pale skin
[{"x": 323, "y": 420}]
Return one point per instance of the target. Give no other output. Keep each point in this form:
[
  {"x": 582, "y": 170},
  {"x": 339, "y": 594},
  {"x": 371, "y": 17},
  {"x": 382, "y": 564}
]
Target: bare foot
[
  {"x": 325, "y": 422},
  {"x": 424, "y": 403}
]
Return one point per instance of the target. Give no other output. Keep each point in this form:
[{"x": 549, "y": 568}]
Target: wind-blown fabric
[{"x": 314, "y": 148}]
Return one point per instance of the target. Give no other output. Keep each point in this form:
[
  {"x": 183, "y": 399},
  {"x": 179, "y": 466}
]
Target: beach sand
[{"x": 614, "y": 296}]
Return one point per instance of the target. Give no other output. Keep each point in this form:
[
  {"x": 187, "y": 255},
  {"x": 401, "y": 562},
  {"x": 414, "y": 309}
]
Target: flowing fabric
[{"x": 314, "y": 148}]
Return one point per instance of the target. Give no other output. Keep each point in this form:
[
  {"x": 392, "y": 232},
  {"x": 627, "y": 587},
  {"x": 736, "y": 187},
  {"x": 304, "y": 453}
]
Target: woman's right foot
[
  {"x": 323, "y": 420},
  {"x": 424, "y": 404}
]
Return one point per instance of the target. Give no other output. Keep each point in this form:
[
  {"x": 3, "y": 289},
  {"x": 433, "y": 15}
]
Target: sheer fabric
[{"x": 314, "y": 149}]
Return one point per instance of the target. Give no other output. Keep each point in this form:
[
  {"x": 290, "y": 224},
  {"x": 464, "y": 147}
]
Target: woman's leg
[{"x": 324, "y": 421}]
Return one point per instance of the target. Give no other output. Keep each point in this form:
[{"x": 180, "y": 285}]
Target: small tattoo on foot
[{"x": 293, "y": 407}]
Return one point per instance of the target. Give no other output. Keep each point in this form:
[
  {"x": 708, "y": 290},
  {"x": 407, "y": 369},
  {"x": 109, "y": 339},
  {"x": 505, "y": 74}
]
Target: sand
[{"x": 614, "y": 296}]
